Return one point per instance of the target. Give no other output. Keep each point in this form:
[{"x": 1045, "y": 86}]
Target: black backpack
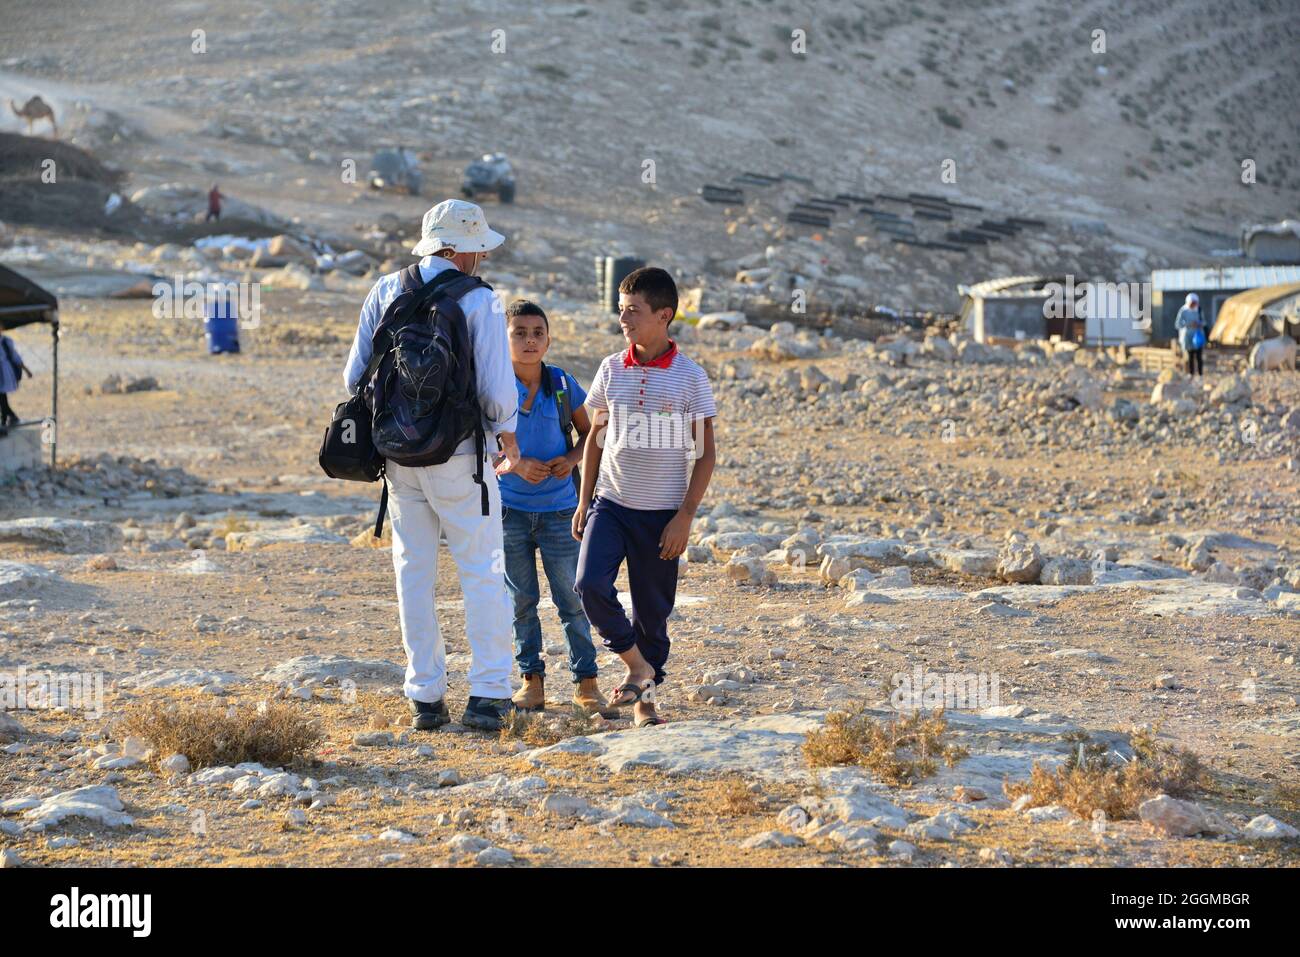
[{"x": 418, "y": 398}]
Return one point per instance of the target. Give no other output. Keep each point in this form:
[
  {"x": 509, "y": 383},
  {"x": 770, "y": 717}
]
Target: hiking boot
[
  {"x": 532, "y": 696},
  {"x": 486, "y": 714},
  {"x": 587, "y": 696},
  {"x": 427, "y": 715}
]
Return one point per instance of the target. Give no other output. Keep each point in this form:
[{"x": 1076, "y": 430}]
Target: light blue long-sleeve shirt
[
  {"x": 486, "y": 321},
  {"x": 1186, "y": 322}
]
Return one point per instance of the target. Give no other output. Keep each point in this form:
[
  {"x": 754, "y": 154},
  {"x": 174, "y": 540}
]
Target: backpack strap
[
  {"x": 383, "y": 501},
  {"x": 553, "y": 380},
  {"x": 456, "y": 290},
  {"x": 480, "y": 438},
  {"x": 553, "y": 383},
  {"x": 411, "y": 278}
]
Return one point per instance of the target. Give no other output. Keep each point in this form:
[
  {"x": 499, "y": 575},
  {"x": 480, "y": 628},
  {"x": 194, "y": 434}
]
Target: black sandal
[{"x": 637, "y": 691}]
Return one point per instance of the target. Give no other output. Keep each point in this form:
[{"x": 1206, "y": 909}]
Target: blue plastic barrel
[{"x": 222, "y": 326}]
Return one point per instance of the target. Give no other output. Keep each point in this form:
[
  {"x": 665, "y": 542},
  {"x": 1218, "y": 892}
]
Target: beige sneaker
[
  {"x": 532, "y": 696},
  {"x": 587, "y": 696}
]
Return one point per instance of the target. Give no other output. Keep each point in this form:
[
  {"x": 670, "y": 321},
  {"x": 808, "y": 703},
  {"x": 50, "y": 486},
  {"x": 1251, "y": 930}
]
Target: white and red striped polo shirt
[{"x": 649, "y": 445}]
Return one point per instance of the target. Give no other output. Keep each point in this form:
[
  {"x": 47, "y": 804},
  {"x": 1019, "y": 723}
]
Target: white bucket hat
[{"x": 457, "y": 225}]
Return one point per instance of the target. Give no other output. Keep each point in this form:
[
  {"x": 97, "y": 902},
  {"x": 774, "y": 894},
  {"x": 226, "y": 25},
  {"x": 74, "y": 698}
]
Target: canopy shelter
[
  {"x": 22, "y": 303},
  {"x": 1253, "y": 315}
]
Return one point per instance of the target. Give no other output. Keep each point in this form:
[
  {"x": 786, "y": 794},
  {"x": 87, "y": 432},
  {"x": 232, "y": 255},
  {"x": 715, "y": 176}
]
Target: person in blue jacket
[
  {"x": 1192, "y": 334},
  {"x": 538, "y": 498},
  {"x": 12, "y": 368}
]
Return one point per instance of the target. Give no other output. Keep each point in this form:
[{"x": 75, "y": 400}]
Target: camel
[{"x": 33, "y": 110}]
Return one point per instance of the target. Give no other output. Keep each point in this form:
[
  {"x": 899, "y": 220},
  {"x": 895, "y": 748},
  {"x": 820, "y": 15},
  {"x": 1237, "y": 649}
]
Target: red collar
[{"x": 663, "y": 362}]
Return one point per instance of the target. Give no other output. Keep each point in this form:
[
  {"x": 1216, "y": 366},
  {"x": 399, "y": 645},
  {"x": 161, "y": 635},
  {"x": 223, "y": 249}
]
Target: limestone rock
[
  {"x": 763, "y": 746},
  {"x": 1019, "y": 561},
  {"x": 750, "y": 571},
  {"x": 374, "y": 739},
  {"x": 292, "y": 535},
  {"x": 902, "y": 850},
  {"x": 966, "y": 561},
  {"x": 20, "y": 578},
  {"x": 1066, "y": 571},
  {"x": 1266, "y": 827},
  {"x": 570, "y": 805},
  {"x": 175, "y": 764},
  {"x": 772, "y": 840},
  {"x": 293, "y": 276},
  {"x": 334, "y": 668},
  {"x": 287, "y": 248},
  {"x": 1048, "y": 812},
  {"x": 1178, "y": 818},
  {"x": 1232, "y": 390},
  {"x": 180, "y": 678},
  {"x": 1172, "y": 386},
  {"x": 493, "y": 857},
  {"x": 63, "y": 534},
  {"x": 99, "y": 803}
]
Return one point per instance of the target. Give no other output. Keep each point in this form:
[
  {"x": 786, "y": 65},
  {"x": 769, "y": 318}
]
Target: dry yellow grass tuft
[
  {"x": 1090, "y": 780},
  {"x": 900, "y": 751},
  {"x": 539, "y": 730},
  {"x": 1287, "y": 796},
  {"x": 230, "y": 524},
  {"x": 211, "y": 734},
  {"x": 738, "y": 799}
]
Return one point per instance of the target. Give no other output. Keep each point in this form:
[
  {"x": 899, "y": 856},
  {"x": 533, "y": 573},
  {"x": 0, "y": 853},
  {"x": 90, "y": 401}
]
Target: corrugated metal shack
[
  {"x": 1213, "y": 285},
  {"x": 1012, "y": 308}
]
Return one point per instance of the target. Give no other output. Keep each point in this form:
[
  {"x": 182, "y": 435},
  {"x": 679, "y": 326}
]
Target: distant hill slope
[{"x": 1147, "y": 137}]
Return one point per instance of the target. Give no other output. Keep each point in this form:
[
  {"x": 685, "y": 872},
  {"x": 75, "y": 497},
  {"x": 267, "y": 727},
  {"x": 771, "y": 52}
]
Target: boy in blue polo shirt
[{"x": 538, "y": 497}]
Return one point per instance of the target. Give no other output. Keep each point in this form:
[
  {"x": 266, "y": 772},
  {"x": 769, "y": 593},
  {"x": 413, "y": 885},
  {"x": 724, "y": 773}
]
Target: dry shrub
[
  {"x": 737, "y": 799},
  {"x": 538, "y": 730},
  {"x": 211, "y": 735},
  {"x": 900, "y": 751},
  {"x": 1287, "y": 795},
  {"x": 1089, "y": 780},
  {"x": 231, "y": 523}
]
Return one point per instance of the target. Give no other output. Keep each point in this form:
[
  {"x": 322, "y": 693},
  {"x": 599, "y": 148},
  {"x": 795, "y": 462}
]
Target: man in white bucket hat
[{"x": 434, "y": 499}]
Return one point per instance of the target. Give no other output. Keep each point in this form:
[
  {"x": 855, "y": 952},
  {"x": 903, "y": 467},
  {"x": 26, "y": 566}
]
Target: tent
[
  {"x": 1249, "y": 316},
  {"x": 22, "y": 303}
]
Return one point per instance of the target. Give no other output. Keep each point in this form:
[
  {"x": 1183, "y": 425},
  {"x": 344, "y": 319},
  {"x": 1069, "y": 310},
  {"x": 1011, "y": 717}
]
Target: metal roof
[
  {"x": 1224, "y": 277},
  {"x": 1007, "y": 286}
]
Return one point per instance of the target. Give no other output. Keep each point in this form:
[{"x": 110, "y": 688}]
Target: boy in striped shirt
[{"x": 651, "y": 411}]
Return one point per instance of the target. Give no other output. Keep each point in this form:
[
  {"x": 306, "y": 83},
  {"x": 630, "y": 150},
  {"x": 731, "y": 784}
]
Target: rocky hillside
[{"x": 1127, "y": 155}]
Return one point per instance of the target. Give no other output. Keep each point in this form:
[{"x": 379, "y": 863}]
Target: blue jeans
[{"x": 525, "y": 534}]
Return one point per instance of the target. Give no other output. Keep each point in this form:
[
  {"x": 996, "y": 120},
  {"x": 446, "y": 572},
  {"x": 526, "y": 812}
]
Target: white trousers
[{"x": 422, "y": 502}]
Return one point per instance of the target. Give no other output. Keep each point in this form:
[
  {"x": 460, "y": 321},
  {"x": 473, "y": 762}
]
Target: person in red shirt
[{"x": 215, "y": 196}]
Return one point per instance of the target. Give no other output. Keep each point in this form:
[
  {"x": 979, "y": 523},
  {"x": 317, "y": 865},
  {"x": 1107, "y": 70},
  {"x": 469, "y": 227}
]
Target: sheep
[{"x": 1276, "y": 353}]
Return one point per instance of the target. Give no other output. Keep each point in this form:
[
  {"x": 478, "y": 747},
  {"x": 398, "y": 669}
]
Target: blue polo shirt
[{"x": 539, "y": 437}]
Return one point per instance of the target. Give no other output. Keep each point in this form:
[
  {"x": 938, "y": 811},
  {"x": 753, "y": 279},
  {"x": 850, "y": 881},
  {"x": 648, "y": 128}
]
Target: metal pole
[{"x": 54, "y": 402}]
